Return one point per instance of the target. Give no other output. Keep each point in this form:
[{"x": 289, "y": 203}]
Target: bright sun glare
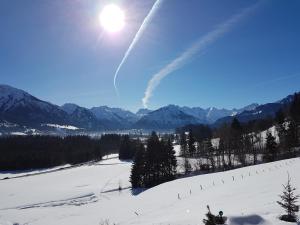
[{"x": 112, "y": 18}]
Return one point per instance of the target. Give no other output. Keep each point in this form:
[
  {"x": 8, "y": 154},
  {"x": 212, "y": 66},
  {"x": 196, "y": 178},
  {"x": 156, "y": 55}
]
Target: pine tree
[
  {"x": 191, "y": 143},
  {"x": 125, "y": 151},
  {"x": 171, "y": 160},
  {"x": 183, "y": 144},
  {"x": 279, "y": 117},
  {"x": 236, "y": 125},
  {"x": 209, "y": 153},
  {"x": 155, "y": 164},
  {"x": 292, "y": 137},
  {"x": 281, "y": 130},
  {"x": 271, "y": 147},
  {"x": 288, "y": 202},
  {"x": 138, "y": 168},
  {"x": 183, "y": 148},
  {"x": 236, "y": 143},
  {"x": 294, "y": 113},
  {"x": 295, "y": 108}
]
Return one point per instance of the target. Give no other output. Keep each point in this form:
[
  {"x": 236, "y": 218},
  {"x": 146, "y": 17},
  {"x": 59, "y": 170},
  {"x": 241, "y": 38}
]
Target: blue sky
[{"x": 57, "y": 51}]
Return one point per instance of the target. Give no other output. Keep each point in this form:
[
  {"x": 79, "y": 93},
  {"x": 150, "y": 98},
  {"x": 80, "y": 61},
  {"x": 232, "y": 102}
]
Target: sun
[{"x": 112, "y": 18}]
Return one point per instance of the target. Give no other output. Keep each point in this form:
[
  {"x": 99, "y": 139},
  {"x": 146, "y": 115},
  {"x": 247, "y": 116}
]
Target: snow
[
  {"x": 263, "y": 136},
  {"x": 68, "y": 127},
  {"x": 271, "y": 130},
  {"x": 89, "y": 195},
  {"x": 215, "y": 142},
  {"x": 177, "y": 149},
  {"x": 8, "y": 124},
  {"x": 256, "y": 113},
  {"x": 18, "y": 133},
  {"x": 234, "y": 113},
  {"x": 20, "y": 173}
]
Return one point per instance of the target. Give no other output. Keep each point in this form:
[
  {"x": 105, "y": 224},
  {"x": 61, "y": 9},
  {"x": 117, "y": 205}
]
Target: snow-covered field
[
  {"x": 22, "y": 173},
  {"x": 88, "y": 195}
]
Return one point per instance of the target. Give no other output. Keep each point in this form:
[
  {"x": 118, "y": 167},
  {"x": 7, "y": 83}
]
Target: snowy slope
[{"x": 88, "y": 195}]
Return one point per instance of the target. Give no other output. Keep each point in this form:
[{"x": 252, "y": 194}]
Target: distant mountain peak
[
  {"x": 20, "y": 108},
  {"x": 143, "y": 112},
  {"x": 69, "y": 107}
]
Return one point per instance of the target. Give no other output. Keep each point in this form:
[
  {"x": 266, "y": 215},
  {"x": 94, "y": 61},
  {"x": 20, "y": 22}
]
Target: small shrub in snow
[
  {"x": 211, "y": 219},
  {"x": 288, "y": 202}
]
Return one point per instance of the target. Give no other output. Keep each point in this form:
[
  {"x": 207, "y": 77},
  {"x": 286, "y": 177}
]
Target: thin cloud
[
  {"x": 137, "y": 36},
  {"x": 198, "y": 46}
]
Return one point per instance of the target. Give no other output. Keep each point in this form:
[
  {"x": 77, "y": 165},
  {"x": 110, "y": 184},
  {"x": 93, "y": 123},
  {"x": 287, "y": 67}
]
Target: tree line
[
  {"x": 240, "y": 144},
  {"x": 31, "y": 152},
  {"x": 154, "y": 163}
]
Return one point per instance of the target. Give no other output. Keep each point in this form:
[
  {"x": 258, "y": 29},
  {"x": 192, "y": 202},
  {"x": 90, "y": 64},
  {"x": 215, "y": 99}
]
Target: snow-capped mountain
[
  {"x": 165, "y": 118},
  {"x": 171, "y": 116},
  {"x": 116, "y": 117},
  {"x": 287, "y": 100},
  {"x": 26, "y": 112},
  {"x": 248, "y": 107},
  {"x": 143, "y": 112},
  {"x": 82, "y": 117},
  {"x": 19, "y": 107},
  {"x": 259, "y": 112}
]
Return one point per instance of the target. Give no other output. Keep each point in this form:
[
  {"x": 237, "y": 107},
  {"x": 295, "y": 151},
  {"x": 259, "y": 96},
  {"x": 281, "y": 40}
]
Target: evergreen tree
[
  {"x": 125, "y": 148},
  {"x": 295, "y": 109},
  {"x": 291, "y": 138},
  {"x": 221, "y": 150},
  {"x": 281, "y": 130},
  {"x": 279, "y": 117},
  {"x": 288, "y": 202},
  {"x": 247, "y": 149},
  {"x": 138, "y": 168},
  {"x": 171, "y": 160},
  {"x": 209, "y": 153},
  {"x": 183, "y": 148},
  {"x": 152, "y": 160},
  {"x": 191, "y": 143},
  {"x": 235, "y": 125},
  {"x": 271, "y": 148},
  {"x": 128, "y": 147},
  {"x": 158, "y": 163},
  {"x": 183, "y": 144},
  {"x": 236, "y": 143}
]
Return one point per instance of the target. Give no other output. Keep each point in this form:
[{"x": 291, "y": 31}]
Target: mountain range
[{"x": 20, "y": 111}]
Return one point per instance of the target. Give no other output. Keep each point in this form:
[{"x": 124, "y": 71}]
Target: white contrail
[
  {"x": 200, "y": 44},
  {"x": 137, "y": 36}
]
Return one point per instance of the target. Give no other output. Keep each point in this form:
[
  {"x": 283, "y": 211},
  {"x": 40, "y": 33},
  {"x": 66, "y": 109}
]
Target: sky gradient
[{"x": 57, "y": 51}]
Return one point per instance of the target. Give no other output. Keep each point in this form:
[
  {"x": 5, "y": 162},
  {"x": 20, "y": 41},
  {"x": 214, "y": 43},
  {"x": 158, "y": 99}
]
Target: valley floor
[{"x": 89, "y": 195}]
